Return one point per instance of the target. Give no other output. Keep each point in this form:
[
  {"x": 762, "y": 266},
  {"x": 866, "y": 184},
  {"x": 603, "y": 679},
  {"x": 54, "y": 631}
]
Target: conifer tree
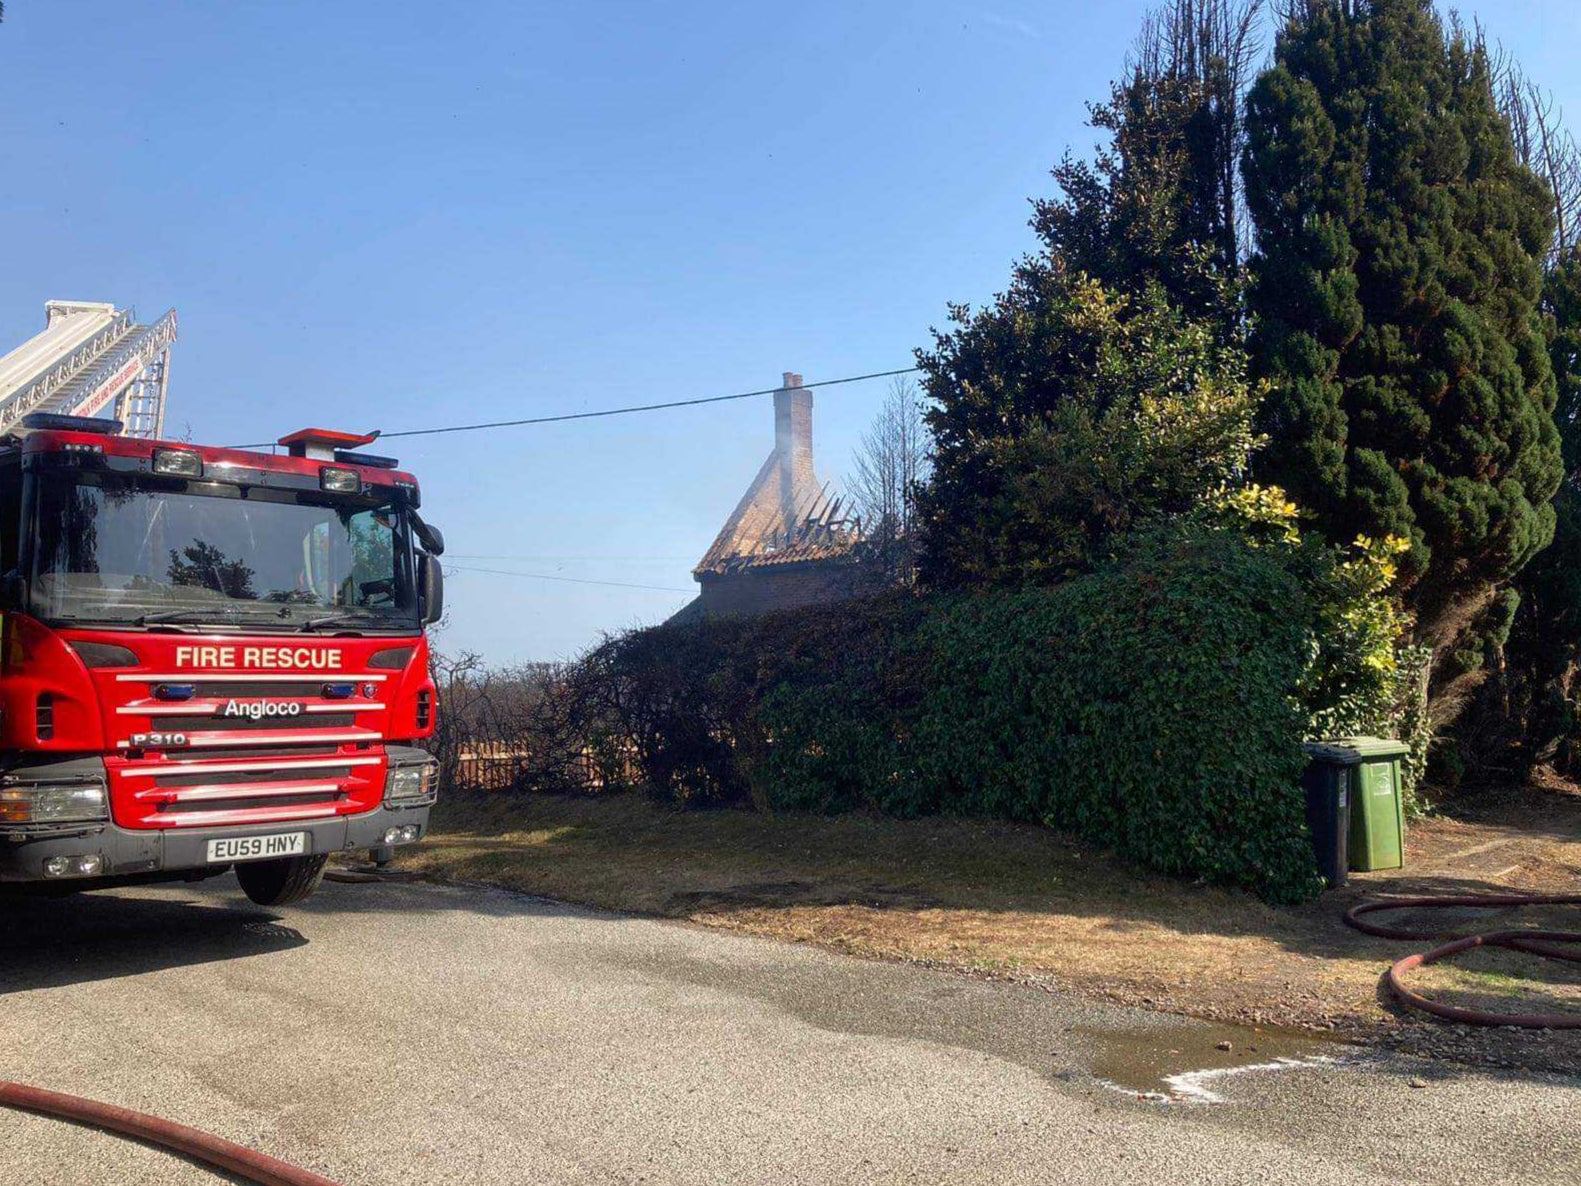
[
  {"x": 1395, "y": 296},
  {"x": 1529, "y": 714},
  {"x": 1158, "y": 204}
]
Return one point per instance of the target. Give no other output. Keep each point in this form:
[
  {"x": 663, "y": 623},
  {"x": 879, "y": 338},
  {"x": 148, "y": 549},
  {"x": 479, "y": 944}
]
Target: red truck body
[{"x": 209, "y": 658}]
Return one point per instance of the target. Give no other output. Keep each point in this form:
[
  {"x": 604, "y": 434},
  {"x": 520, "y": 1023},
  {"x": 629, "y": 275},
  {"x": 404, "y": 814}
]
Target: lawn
[{"x": 1023, "y": 902}]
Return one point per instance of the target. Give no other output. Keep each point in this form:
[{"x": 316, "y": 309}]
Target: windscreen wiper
[
  {"x": 185, "y": 616},
  {"x": 313, "y": 624}
]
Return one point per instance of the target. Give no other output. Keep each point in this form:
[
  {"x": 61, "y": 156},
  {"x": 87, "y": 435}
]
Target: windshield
[{"x": 123, "y": 550}]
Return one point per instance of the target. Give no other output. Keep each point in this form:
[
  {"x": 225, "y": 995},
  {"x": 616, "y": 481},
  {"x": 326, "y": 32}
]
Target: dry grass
[{"x": 1007, "y": 899}]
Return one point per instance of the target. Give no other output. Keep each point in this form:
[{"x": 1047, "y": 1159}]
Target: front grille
[
  {"x": 250, "y": 802},
  {"x": 213, "y": 723},
  {"x": 264, "y": 689},
  {"x": 209, "y": 752},
  {"x": 242, "y": 777}
]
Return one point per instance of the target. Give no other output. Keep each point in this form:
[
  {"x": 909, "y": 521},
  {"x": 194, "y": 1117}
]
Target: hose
[
  {"x": 1554, "y": 945},
  {"x": 178, "y": 1138},
  {"x": 363, "y": 877}
]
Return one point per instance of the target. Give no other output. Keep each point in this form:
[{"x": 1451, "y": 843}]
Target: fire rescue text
[{"x": 298, "y": 658}]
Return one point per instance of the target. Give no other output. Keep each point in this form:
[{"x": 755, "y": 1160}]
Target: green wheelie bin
[{"x": 1377, "y": 803}]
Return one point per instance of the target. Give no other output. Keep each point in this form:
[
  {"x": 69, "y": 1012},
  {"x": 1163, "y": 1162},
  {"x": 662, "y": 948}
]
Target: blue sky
[{"x": 396, "y": 215}]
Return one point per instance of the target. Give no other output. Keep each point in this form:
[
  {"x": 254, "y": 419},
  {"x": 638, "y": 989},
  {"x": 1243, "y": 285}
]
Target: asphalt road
[{"x": 416, "y": 1035}]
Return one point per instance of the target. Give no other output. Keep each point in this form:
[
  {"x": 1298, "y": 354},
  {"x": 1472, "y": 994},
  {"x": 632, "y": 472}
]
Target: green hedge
[
  {"x": 1153, "y": 707},
  {"x": 1148, "y": 707}
]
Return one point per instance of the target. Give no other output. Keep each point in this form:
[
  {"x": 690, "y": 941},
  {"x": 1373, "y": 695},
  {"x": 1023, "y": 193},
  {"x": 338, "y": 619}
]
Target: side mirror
[
  {"x": 432, "y": 539},
  {"x": 431, "y": 579}
]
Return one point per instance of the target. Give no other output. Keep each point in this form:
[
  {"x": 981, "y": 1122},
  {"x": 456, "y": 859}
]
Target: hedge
[
  {"x": 1155, "y": 707},
  {"x": 1148, "y": 707}
]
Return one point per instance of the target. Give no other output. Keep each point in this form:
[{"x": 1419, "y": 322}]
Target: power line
[
  {"x": 543, "y": 576},
  {"x": 680, "y": 403},
  {"x": 530, "y": 559},
  {"x": 561, "y": 418}
]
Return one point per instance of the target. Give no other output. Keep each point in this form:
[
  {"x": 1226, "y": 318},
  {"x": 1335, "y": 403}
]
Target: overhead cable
[
  {"x": 625, "y": 411},
  {"x": 544, "y": 576}
]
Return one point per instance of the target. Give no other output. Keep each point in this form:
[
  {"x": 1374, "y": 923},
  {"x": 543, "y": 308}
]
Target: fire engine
[{"x": 211, "y": 659}]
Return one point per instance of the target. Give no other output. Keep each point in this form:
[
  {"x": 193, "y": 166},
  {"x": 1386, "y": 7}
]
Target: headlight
[
  {"x": 183, "y": 463},
  {"x": 52, "y": 805},
  {"x": 341, "y": 481},
  {"x": 408, "y": 786}
]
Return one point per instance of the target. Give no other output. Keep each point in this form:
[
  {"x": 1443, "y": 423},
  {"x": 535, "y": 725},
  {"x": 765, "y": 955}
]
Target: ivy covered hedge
[{"x": 1156, "y": 706}]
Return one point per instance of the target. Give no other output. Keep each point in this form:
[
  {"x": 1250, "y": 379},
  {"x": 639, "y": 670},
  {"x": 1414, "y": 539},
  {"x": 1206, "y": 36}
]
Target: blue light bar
[{"x": 371, "y": 460}]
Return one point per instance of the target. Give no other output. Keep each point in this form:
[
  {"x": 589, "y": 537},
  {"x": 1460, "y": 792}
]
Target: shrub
[
  {"x": 836, "y": 717},
  {"x": 1150, "y": 707},
  {"x": 656, "y": 696}
]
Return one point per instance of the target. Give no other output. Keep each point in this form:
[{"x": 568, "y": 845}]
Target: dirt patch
[{"x": 1001, "y": 899}]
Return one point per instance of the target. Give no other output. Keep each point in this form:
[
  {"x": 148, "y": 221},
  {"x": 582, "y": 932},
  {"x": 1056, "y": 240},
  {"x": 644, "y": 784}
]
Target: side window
[{"x": 372, "y": 559}]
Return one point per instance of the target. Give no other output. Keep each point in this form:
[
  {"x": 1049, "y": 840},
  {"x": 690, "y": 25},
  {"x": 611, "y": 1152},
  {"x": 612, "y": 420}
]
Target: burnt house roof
[{"x": 786, "y": 516}]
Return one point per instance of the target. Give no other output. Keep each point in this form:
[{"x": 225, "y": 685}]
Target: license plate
[{"x": 258, "y": 848}]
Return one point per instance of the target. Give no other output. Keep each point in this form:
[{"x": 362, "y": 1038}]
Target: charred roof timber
[{"x": 786, "y": 515}]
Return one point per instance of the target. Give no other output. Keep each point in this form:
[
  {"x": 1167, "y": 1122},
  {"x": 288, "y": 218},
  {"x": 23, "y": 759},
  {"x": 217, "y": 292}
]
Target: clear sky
[{"x": 394, "y": 215}]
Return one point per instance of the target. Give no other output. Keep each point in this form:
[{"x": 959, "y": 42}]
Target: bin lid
[
  {"x": 1351, "y": 750},
  {"x": 1331, "y": 752}
]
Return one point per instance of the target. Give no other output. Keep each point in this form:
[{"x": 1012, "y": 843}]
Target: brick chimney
[{"x": 793, "y": 429}]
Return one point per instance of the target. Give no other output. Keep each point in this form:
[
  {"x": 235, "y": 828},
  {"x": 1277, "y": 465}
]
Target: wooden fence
[{"x": 497, "y": 766}]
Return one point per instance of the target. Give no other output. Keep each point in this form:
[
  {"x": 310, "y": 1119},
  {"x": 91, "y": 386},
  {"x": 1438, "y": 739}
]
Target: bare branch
[
  {"x": 1542, "y": 143},
  {"x": 890, "y": 464},
  {"x": 1207, "y": 51}
]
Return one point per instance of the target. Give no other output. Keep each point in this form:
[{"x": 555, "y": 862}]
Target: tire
[{"x": 281, "y": 882}]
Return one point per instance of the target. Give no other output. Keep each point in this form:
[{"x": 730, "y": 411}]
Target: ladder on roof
[{"x": 91, "y": 359}]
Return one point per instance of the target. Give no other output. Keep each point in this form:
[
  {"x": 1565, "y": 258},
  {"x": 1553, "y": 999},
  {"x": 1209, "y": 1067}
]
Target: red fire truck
[{"x": 210, "y": 659}]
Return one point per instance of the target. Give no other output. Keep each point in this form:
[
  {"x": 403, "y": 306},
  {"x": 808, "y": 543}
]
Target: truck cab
[{"x": 210, "y": 658}]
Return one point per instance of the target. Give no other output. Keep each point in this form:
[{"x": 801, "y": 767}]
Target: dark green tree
[
  {"x": 1066, "y": 415},
  {"x": 1158, "y": 203},
  {"x": 1395, "y": 293},
  {"x": 1104, "y": 388},
  {"x": 1528, "y": 714},
  {"x": 1562, "y": 312}
]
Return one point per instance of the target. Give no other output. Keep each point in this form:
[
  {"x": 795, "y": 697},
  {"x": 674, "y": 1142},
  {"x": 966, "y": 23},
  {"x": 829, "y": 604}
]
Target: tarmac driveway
[{"x": 416, "y": 1034}]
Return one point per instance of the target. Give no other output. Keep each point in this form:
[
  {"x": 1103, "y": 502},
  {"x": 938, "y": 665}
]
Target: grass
[
  {"x": 982, "y": 896},
  {"x": 1023, "y": 902}
]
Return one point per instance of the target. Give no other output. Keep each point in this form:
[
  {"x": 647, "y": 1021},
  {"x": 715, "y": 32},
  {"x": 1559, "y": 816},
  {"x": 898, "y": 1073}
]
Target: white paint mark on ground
[{"x": 1195, "y": 1087}]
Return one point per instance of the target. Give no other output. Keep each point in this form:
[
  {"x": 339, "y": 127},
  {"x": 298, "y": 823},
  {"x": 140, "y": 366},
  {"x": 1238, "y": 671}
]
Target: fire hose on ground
[
  {"x": 178, "y": 1138},
  {"x": 166, "y": 1134},
  {"x": 1555, "y": 945}
]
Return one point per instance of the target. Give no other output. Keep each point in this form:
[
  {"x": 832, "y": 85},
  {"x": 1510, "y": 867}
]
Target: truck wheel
[{"x": 281, "y": 882}]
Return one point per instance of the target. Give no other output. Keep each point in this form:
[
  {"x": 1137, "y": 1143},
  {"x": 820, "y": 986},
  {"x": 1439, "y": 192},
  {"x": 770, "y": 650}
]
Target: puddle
[{"x": 1170, "y": 1065}]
